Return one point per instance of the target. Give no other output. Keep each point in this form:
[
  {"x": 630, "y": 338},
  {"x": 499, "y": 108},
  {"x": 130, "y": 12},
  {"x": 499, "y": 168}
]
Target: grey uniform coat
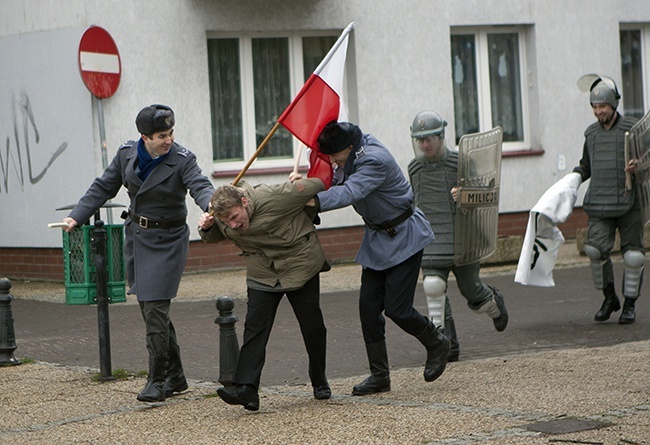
[
  {"x": 378, "y": 191},
  {"x": 154, "y": 258}
]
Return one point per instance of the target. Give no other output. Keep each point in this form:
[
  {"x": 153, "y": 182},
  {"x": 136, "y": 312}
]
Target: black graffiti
[{"x": 12, "y": 160}]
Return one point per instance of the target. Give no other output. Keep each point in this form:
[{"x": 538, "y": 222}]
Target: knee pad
[
  {"x": 596, "y": 263},
  {"x": 633, "y": 274},
  {"x": 435, "y": 289}
]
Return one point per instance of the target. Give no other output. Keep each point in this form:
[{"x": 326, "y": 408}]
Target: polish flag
[{"x": 319, "y": 102}]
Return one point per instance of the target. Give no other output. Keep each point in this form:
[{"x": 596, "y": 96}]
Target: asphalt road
[{"x": 540, "y": 319}]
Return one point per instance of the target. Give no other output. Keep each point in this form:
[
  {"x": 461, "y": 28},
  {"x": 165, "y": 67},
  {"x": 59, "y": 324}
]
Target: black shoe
[
  {"x": 175, "y": 385},
  {"x": 610, "y": 305},
  {"x": 245, "y": 395},
  {"x": 501, "y": 322},
  {"x": 153, "y": 392},
  {"x": 322, "y": 392},
  {"x": 453, "y": 355},
  {"x": 372, "y": 385},
  {"x": 627, "y": 315}
]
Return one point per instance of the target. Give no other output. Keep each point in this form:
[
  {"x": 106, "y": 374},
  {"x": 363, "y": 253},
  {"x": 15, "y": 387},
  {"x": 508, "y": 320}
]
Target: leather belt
[
  {"x": 390, "y": 225},
  {"x": 148, "y": 223}
]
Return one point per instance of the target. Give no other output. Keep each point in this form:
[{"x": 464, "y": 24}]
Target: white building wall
[{"x": 399, "y": 64}]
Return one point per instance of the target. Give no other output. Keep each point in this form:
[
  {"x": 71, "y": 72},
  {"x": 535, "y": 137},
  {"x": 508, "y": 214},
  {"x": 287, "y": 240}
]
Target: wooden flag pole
[
  {"x": 257, "y": 152},
  {"x": 296, "y": 165},
  {"x": 255, "y": 155}
]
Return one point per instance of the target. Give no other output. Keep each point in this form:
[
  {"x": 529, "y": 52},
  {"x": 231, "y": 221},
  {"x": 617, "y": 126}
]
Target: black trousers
[
  {"x": 262, "y": 308},
  {"x": 390, "y": 292},
  {"x": 161, "y": 335}
]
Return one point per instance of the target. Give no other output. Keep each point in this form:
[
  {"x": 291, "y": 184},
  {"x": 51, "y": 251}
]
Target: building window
[
  {"x": 487, "y": 74},
  {"x": 635, "y": 48},
  {"x": 252, "y": 80}
]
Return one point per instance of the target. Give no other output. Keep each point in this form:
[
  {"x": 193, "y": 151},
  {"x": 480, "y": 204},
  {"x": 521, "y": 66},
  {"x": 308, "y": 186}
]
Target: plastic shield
[
  {"x": 637, "y": 144},
  {"x": 477, "y": 206}
]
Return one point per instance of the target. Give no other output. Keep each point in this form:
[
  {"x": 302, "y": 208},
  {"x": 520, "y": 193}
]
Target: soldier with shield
[
  {"x": 461, "y": 241},
  {"x": 611, "y": 204}
]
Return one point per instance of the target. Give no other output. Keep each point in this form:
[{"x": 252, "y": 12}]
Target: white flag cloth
[{"x": 543, "y": 239}]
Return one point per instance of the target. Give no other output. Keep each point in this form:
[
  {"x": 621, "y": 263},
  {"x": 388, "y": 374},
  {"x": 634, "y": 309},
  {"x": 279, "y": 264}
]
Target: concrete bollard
[
  {"x": 7, "y": 335},
  {"x": 228, "y": 344}
]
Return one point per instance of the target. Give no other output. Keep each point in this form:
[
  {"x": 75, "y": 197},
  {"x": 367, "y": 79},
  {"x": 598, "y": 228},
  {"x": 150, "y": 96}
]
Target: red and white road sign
[{"x": 99, "y": 62}]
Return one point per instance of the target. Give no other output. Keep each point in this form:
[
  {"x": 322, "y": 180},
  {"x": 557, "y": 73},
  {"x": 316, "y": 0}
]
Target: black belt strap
[
  {"x": 148, "y": 223},
  {"x": 390, "y": 225}
]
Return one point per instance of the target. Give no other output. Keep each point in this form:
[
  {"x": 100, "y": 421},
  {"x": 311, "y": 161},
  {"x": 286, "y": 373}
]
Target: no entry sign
[{"x": 99, "y": 62}]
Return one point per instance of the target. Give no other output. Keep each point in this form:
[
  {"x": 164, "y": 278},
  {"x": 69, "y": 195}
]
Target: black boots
[
  {"x": 379, "y": 380},
  {"x": 175, "y": 381},
  {"x": 627, "y": 315},
  {"x": 245, "y": 395},
  {"x": 154, "y": 390},
  {"x": 322, "y": 392},
  {"x": 437, "y": 346},
  {"x": 610, "y": 305},
  {"x": 500, "y": 322},
  {"x": 454, "y": 347}
]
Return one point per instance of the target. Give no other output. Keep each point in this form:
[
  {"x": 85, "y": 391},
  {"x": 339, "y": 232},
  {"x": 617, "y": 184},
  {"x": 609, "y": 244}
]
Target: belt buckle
[{"x": 143, "y": 222}]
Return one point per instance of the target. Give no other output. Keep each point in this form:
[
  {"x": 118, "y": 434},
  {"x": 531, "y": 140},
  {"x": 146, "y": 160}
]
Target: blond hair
[{"x": 226, "y": 197}]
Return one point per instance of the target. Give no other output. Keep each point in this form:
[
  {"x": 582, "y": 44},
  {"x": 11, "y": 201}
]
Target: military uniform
[
  {"x": 610, "y": 207},
  {"x": 395, "y": 234},
  {"x": 432, "y": 183},
  {"x": 156, "y": 242}
]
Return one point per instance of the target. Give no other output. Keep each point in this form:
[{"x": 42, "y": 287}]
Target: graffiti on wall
[{"x": 25, "y": 129}]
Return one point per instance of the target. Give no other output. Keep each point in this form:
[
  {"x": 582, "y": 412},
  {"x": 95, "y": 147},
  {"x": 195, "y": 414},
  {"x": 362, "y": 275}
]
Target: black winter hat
[
  {"x": 337, "y": 136},
  {"x": 155, "y": 118}
]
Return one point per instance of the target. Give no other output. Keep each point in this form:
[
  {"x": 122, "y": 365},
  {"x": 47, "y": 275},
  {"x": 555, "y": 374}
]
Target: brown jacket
[{"x": 281, "y": 245}]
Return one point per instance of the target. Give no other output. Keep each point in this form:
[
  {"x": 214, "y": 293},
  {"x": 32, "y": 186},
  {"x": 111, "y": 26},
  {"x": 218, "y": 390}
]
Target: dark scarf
[{"x": 146, "y": 163}]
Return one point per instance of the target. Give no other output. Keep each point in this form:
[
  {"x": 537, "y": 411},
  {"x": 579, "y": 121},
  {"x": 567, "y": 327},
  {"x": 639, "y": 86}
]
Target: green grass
[{"x": 121, "y": 374}]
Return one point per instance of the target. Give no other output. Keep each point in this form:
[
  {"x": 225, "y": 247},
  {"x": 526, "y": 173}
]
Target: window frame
[
  {"x": 296, "y": 81},
  {"x": 644, "y": 28},
  {"x": 483, "y": 82}
]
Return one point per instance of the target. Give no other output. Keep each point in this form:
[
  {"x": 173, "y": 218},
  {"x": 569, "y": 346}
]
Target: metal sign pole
[{"x": 102, "y": 141}]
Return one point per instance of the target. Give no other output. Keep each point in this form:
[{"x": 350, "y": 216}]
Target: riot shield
[
  {"x": 477, "y": 205},
  {"x": 637, "y": 145}
]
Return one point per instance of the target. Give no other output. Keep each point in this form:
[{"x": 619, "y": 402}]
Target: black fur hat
[
  {"x": 337, "y": 136},
  {"x": 155, "y": 118}
]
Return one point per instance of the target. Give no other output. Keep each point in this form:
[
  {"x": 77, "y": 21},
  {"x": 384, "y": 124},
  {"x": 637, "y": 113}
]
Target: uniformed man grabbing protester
[
  {"x": 283, "y": 257},
  {"x": 608, "y": 203},
  {"x": 395, "y": 233},
  {"x": 157, "y": 173},
  {"x": 434, "y": 177}
]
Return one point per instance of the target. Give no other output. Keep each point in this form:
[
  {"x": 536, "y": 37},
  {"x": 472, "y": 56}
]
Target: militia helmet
[
  {"x": 428, "y": 123},
  {"x": 605, "y": 92},
  {"x": 602, "y": 89}
]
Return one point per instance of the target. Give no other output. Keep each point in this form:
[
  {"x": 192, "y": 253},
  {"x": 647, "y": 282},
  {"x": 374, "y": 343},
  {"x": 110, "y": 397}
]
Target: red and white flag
[{"x": 319, "y": 102}]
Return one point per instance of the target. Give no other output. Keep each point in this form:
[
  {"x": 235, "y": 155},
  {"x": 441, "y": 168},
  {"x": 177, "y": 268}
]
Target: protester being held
[
  {"x": 368, "y": 178},
  {"x": 157, "y": 173},
  {"x": 609, "y": 204},
  {"x": 434, "y": 177},
  {"x": 274, "y": 230}
]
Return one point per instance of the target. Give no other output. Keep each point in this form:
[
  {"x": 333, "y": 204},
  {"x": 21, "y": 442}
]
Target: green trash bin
[{"x": 79, "y": 265}]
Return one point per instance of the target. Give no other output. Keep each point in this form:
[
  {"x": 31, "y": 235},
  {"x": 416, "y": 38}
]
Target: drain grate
[{"x": 563, "y": 426}]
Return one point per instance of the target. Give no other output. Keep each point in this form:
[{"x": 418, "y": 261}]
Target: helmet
[
  {"x": 428, "y": 123},
  {"x": 602, "y": 89},
  {"x": 604, "y": 92}
]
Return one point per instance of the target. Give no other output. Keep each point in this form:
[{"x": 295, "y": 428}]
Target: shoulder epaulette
[
  {"x": 127, "y": 144},
  {"x": 182, "y": 151}
]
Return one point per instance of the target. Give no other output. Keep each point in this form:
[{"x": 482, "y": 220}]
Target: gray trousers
[
  {"x": 160, "y": 332},
  {"x": 602, "y": 234},
  {"x": 468, "y": 281}
]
